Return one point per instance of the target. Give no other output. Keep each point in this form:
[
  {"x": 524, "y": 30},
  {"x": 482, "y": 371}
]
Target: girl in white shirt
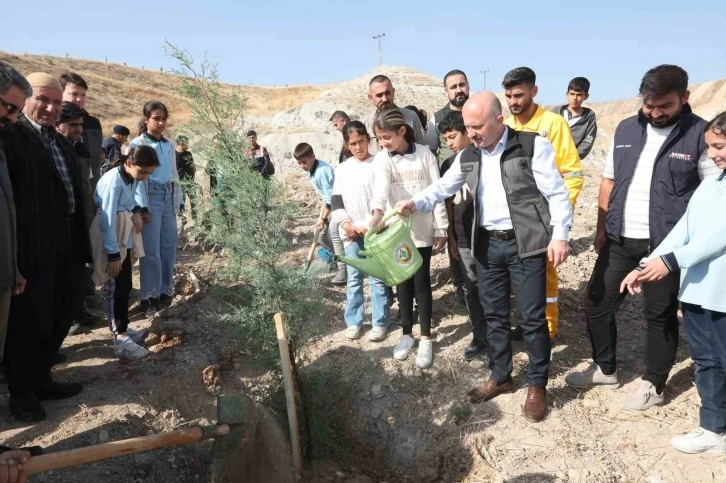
[
  {"x": 402, "y": 169},
  {"x": 351, "y": 204}
]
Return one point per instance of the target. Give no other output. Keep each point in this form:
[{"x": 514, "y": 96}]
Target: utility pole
[
  {"x": 484, "y": 74},
  {"x": 380, "y": 55}
]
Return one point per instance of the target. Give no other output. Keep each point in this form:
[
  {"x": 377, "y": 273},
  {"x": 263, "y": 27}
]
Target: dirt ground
[{"x": 401, "y": 423}]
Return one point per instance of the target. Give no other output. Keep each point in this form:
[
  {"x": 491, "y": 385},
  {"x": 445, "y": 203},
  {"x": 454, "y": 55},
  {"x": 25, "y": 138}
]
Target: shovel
[
  {"x": 248, "y": 446},
  {"x": 316, "y": 240}
]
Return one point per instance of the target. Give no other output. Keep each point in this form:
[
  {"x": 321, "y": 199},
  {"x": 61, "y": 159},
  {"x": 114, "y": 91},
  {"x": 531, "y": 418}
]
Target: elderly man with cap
[
  {"x": 53, "y": 245},
  {"x": 112, "y": 146},
  {"x": 14, "y": 89}
]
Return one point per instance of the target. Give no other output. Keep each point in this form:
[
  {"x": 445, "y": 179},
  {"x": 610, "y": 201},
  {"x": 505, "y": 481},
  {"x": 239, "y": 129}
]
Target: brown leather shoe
[
  {"x": 489, "y": 391},
  {"x": 535, "y": 406}
]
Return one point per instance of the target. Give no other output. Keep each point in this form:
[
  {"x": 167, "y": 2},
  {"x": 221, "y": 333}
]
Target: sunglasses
[{"x": 11, "y": 108}]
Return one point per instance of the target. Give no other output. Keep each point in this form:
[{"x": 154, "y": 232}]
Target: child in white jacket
[
  {"x": 402, "y": 169},
  {"x": 351, "y": 202}
]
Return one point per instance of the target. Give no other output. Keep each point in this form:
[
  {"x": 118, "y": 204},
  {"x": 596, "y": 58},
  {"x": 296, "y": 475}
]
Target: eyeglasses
[{"x": 11, "y": 108}]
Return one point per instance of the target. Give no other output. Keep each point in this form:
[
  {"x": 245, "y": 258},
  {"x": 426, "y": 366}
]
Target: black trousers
[
  {"x": 118, "y": 292},
  {"x": 39, "y": 322},
  {"x": 190, "y": 190},
  {"x": 418, "y": 286},
  {"x": 499, "y": 268},
  {"x": 615, "y": 261},
  {"x": 467, "y": 268}
]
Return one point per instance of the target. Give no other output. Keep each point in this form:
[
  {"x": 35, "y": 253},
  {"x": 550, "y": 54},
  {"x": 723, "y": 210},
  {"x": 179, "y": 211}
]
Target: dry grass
[{"x": 117, "y": 92}]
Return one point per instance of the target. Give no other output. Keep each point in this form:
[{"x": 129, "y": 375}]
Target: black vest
[
  {"x": 528, "y": 207},
  {"x": 675, "y": 173}
]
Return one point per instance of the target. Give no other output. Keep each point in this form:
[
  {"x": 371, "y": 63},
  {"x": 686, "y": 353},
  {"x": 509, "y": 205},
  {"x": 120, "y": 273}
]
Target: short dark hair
[
  {"x": 379, "y": 78},
  {"x": 717, "y": 125},
  {"x": 354, "y": 127},
  {"x": 579, "y": 84},
  {"x": 455, "y": 72},
  {"x": 141, "y": 155},
  {"x": 303, "y": 150},
  {"x": 453, "y": 121},
  {"x": 662, "y": 80},
  {"x": 10, "y": 77},
  {"x": 182, "y": 140},
  {"x": 72, "y": 78},
  {"x": 251, "y": 132},
  {"x": 519, "y": 76},
  {"x": 69, "y": 112},
  {"x": 339, "y": 115}
]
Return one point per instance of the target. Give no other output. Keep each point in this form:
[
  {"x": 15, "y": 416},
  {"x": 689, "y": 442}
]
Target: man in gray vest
[
  {"x": 456, "y": 86},
  {"x": 381, "y": 94},
  {"x": 527, "y": 220},
  {"x": 657, "y": 160}
]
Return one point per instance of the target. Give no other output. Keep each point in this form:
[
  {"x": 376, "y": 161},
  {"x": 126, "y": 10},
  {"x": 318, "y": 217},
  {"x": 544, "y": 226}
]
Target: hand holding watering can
[{"x": 408, "y": 208}]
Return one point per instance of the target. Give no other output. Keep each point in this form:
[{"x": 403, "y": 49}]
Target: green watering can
[{"x": 389, "y": 255}]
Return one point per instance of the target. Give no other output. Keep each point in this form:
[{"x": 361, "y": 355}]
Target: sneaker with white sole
[
  {"x": 126, "y": 348},
  {"x": 700, "y": 441},
  {"x": 377, "y": 333},
  {"x": 425, "y": 356},
  {"x": 352, "y": 332},
  {"x": 136, "y": 335},
  {"x": 403, "y": 348},
  {"x": 643, "y": 398},
  {"x": 591, "y": 377}
]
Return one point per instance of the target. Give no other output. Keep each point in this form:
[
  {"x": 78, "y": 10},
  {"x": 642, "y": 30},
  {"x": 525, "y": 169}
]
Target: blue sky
[{"x": 275, "y": 42}]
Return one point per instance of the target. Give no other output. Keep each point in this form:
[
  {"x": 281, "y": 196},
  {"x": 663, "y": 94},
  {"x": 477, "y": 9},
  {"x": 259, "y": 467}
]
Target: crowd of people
[
  {"x": 78, "y": 210},
  {"x": 501, "y": 194}
]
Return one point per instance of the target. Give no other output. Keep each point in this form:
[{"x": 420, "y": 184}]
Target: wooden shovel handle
[
  {"x": 79, "y": 456},
  {"x": 316, "y": 237}
]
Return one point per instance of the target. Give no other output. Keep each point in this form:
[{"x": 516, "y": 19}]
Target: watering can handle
[{"x": 370, "y": 233}]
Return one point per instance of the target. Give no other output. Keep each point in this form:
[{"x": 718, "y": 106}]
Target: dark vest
[
  {"x": 528, "y": 207},
  {"x": 675, "y": 174}
]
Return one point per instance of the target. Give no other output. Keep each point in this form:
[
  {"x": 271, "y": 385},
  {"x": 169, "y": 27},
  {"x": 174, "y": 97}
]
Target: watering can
[{"x": 390, "y": 255}]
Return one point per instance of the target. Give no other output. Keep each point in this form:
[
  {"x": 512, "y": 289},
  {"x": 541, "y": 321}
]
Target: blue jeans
[
  {"x": 706, "y": 334},
  {"x": 355, "y": 306},
  {"x": 160, "y": 241}
]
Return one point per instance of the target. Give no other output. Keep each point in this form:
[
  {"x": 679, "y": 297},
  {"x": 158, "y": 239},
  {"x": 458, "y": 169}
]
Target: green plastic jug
[{"x": 390, "y": 255}]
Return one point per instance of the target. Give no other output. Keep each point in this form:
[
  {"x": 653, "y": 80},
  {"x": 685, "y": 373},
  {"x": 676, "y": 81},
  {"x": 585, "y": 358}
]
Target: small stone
[
  {"x": 140, "y": 473},
  {"x": 294, "y": 241},
  {"x": 103, "y": 436},
  {"x": 339, "y": 474},
  {"x": 477, "y": 364},
  {"x": 171, "y": 459},
  {"x": 377, "y": 391},
  {"x": 237, "y": 366},
  {"x": 152, "y": 338}
]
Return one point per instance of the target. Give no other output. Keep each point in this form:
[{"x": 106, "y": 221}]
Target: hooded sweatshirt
[
  {"x": 399, "y": 176},
  {"x": 583, "y": 128}
]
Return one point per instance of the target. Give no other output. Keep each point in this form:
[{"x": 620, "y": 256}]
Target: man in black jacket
[
  {"x": 53, "y": 246},
  {"x": 657, "y": 160}
]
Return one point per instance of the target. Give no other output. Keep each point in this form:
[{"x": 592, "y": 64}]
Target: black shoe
[
  {"x": 475, "y": 349},
  {"x": 164, "y": 301},
  {"x": 52, "y": 390},
  {"x": 60, "y": 358},
  {"x": 517, "y": 333},
  {"x": 27, "y": 409},
  {"x": 148, "y": 307}
]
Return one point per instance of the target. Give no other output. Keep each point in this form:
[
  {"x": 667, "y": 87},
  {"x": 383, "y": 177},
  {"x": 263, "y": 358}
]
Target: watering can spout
[{"x": 365, "y": 265}]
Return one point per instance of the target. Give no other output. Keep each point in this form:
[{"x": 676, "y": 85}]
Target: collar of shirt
[
  {"x": 410, "y": 150},
  {"x": 125, "y": 176},
  {"x": 532, "y": 124},
  {"x": 46, "y": 132},
  {"x": 315, "y": 167},
  {"x": 500, "y": 145},
  {"x": 723, "y": 175},
  {"x": 153, "y": 139}
]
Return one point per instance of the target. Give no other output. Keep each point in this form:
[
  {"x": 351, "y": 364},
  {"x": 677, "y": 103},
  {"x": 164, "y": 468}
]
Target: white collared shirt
[{"x": 491, "y": 198}]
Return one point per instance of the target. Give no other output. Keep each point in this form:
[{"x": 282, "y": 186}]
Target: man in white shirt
[
  {"x": 657, "y": 160},
  {"x": 522, "y": 217},
  {"x": 381, "y": 94}
]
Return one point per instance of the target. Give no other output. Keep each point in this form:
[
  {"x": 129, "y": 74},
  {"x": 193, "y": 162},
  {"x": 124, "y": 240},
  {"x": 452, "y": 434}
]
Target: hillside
[{"x": 118, "y": 92}]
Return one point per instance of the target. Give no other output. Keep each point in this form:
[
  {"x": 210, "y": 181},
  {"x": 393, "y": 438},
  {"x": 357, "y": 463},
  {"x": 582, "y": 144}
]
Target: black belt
[{"x": 502, "y": 235}]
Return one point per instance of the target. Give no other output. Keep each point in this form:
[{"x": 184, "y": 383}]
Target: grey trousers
[
  {"x": 330, "y": 238},
  {"x": 5, "y": 294}
]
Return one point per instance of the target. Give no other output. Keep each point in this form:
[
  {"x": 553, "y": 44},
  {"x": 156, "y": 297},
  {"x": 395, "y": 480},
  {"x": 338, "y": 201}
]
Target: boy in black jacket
[{"x": 583, "y": 124}]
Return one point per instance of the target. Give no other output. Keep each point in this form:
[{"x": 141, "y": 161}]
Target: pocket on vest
[{"x": 684, "y": 176}]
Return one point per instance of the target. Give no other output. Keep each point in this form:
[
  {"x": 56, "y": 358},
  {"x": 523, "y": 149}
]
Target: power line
[{"x": 380, "y": 54}]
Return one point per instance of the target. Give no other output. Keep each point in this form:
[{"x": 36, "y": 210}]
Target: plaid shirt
[{"x": 48, "y": 136}]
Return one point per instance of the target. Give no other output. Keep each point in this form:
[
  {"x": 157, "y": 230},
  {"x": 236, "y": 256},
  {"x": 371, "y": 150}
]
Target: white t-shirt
[
  {"x": 354, "y": 183},
  {"x": 636, "y": 217}
]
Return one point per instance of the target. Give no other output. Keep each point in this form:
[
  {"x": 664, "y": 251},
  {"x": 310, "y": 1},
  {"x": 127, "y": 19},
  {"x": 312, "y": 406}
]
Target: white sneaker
[
  {"x": 352, "y": 332},
  {"x": 425, "y": 356},
  {"x": 404, "y": 346},
  {"x": 136, "y": 335},
  {"x": 700, "y": 441},
  {"x": 377, "y": 334},
  {"x": 592, "y": 376},
  {"x": 126, "y": 348},
  {"x": 643, "y": 398}
]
